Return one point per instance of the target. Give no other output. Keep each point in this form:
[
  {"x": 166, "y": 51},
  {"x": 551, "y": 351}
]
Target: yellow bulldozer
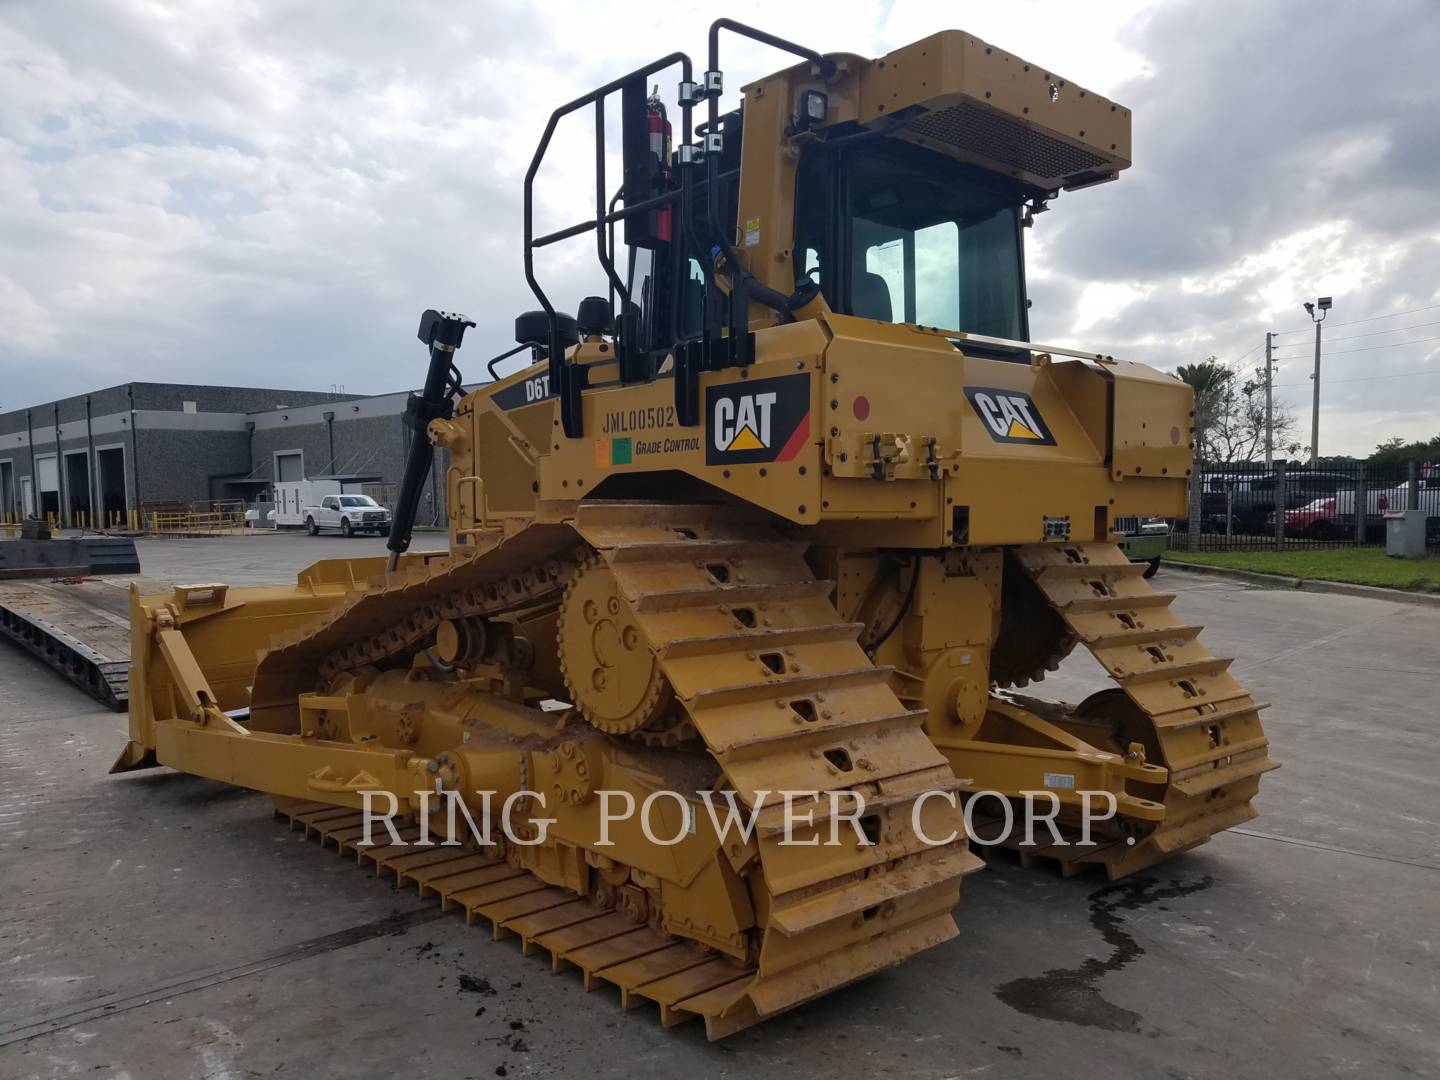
[{"x": 780, "y": 525}]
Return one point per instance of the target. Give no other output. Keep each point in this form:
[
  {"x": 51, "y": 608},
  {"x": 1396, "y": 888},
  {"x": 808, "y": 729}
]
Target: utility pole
[
  {"x": 1269, "y": 402},
  {"x": 1323, "y": 303}
]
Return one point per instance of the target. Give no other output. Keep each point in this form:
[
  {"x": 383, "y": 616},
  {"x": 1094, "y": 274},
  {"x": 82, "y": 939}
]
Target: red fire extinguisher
[{"x": 658, "y": 126}]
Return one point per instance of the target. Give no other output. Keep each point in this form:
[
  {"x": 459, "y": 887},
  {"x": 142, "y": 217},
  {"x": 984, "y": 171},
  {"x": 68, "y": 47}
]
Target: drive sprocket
[
  {"x": 1033, "y": 638},
  {"x": 613, "y": 676}
]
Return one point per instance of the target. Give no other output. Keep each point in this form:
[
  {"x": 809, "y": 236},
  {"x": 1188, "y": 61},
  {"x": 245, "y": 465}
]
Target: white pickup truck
[{"x": 349, "y": 513}]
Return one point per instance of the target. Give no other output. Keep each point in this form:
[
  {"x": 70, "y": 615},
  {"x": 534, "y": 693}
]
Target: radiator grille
[{"x": 978, "y": 131}]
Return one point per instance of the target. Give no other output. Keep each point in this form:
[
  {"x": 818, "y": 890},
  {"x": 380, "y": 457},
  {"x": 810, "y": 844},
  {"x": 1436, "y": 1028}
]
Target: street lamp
[{"x": 1323, "y": 303}]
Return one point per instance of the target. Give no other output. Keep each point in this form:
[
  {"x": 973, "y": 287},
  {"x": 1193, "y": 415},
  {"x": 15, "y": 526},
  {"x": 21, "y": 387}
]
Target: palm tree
[{"x": 1211, "y": 380}]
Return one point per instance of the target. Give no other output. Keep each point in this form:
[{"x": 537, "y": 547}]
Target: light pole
[
  {"x": 1323, "y": 303},
  {"x": 1269, "y": 401}
]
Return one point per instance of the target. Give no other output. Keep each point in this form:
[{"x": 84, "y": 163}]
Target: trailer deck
[{"x": 80, "y": 626}]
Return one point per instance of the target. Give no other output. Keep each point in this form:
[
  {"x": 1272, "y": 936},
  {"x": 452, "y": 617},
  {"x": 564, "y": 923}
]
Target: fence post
[
  {"x": 1362, "y": 505},
  {"x": 1412, "y": 485},
  {"x": 1280, "y": 504},
  {"x": 1192, "y": 528}
]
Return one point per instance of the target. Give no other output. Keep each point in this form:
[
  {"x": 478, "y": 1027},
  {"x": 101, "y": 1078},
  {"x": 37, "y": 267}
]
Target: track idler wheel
[
  {"x": 613, "y": 677},
  {"x": 1123, "y": 727}
]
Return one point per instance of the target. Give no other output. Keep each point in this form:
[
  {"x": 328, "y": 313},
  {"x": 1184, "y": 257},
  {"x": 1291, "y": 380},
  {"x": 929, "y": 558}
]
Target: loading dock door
[
  {"x": 49, "y": 471},
  {"x": 77, "y": 485},
  {"x": 110, "y": 464},
  {"x": 289, "y": 468}
]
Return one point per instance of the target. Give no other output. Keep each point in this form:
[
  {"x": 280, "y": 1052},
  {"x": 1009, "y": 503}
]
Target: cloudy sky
[{"x": 269, "y": 192}]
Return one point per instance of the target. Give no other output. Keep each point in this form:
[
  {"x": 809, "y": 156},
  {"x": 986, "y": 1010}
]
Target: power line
[
  {"x": 1243, "y": 355},
  {"x": 1371, "y": 333},
  {"x": 1372, "y": 378},
  {"x": 1369, "y": 348},
  {"x": 1372, "y": 318}
]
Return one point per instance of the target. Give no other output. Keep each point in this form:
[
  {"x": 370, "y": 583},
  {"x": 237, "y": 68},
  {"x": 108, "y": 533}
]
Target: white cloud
[{"x": 1101, "y": 300}]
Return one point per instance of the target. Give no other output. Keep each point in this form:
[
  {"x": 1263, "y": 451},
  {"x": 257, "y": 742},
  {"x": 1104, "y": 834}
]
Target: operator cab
[
  {"x": 896, "y": 189},
  {"x": 901, "y": 234},
  {"x": 889, "y": 231}
]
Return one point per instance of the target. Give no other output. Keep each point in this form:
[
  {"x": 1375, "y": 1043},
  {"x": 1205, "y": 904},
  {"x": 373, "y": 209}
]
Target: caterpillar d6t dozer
[{"x": 793, "y": 509}]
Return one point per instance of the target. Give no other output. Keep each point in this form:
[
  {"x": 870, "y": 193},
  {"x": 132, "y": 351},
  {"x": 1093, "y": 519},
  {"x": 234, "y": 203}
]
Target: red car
[{"x": 1331, "y": 516}]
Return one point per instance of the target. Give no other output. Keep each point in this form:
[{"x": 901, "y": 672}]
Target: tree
[
  {"x": 1396, "y": 451},
  {"x": 1209, "y": 379},
  {"x": 1230, "y": 414}
]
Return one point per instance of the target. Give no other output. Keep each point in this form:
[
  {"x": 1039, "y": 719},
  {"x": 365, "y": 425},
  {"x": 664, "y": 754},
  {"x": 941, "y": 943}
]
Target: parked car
[
  {"x": 1318, "y": 520},
  {"x": 1333, "y": 516},
  {"x": 1144, "y": 540},
  {"x": 1250, "y": 497},
  {"x": 348, "y": 513}
]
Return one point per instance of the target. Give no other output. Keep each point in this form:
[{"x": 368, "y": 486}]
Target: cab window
[{"x": 897, "y": 233}]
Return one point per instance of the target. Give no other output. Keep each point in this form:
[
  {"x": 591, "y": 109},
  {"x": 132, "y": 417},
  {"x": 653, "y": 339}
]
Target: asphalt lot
[{"x": 155, "y": 925}]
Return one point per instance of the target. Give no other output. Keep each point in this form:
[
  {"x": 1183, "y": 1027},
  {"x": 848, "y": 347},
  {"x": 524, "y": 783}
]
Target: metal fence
[
  {"x": 387, "y": 495},
  {"x": 221, "y": 517},
  {"x": 1247, "y": 507}
]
